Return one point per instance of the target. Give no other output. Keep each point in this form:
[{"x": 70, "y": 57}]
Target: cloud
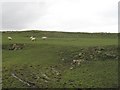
[
  {"x": 62, "y": 15},
  {"x": 18, "y": 15},
  {"x": 81, "y": 16}
]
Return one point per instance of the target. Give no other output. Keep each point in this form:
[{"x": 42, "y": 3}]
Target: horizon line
[{"x": 52, "y": 31}]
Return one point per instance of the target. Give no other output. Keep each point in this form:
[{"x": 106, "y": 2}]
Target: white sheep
[
  {"x": 33, "y": 39},
  {"x": 9, "y": 38},
  {"x": 44, "y": 38}
]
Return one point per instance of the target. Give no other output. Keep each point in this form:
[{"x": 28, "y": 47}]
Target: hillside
[{"x": 63, "y": 60}]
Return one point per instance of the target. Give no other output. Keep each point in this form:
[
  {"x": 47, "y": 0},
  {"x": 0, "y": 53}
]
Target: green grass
[{"x": 40, "y": 56}]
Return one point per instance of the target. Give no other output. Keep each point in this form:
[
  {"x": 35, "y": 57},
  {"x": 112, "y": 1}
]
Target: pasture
[{"x": 49, "y": 63}]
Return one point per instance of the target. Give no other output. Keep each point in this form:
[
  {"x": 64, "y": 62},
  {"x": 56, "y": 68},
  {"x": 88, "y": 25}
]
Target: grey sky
[
  {"x": 61, "y": 15},
  {"x": 17, "y": 15}
]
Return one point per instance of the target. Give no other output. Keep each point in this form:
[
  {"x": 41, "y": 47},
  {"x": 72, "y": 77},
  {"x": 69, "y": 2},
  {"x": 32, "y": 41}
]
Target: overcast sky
[{"x": 61, "y": 15}]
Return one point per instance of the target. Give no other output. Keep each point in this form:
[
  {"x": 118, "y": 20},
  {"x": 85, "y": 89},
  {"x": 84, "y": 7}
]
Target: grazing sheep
[
  {"x": 9, "y": 38},
  {"x": 44, "y": 38},
  {"x": 33, "y": 39}
]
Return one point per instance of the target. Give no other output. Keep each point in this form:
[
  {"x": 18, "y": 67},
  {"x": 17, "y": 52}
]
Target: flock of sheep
[{"x": 31, "y": 38}]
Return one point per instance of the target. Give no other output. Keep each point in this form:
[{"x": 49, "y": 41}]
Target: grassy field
[{"x": 49, "y": 63}]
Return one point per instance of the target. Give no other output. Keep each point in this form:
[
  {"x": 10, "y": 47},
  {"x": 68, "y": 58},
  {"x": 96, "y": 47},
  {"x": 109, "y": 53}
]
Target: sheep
[
  {"x": 9, "y": 38},
  {"x": 44, "y": 38},
  {"x": 33, "y": 39}
]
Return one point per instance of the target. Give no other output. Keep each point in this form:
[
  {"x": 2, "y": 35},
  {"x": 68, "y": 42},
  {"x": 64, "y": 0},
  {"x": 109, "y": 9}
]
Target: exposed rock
[{"x": 16, "y": 46}]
